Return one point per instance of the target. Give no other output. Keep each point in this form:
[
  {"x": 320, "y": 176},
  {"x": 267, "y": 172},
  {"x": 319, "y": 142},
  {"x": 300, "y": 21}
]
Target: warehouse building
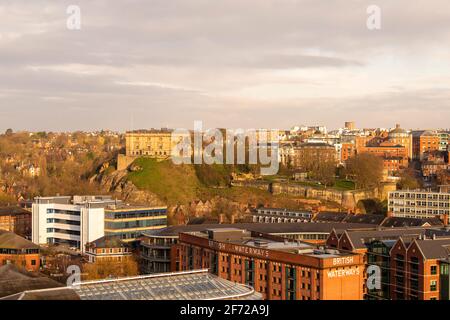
[{"x": 277, "y": 268}]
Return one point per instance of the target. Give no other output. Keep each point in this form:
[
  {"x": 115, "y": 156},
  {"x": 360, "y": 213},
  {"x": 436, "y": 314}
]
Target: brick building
[
  {"x": 305, "y": 155},
  {"x": 395, "y": 157},
  {"x": 404, "y": 260},
  {"x": 17, "y": 220},
  {"x": 401, "y": 137},
  {"x": 348, "y": 150},
  {"x": 277, "y": 268},
  {"x": 108, "y": 248},
  {"x": 419, "y": 268},
  {"x": 18, "y": 251},
  {"x": 424, "y": 142}
]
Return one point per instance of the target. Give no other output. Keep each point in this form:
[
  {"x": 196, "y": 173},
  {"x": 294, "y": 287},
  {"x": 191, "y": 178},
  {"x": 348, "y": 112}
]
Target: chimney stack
[{"x": 445, "y": 219}]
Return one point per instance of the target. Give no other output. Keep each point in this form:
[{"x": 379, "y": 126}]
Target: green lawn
[
  {"x": 171, "y": 183},
  {"x": 344, "y": 185}
]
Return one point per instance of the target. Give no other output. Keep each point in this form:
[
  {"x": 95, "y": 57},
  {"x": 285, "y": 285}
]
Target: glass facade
[{"x": 128, "y": 224}]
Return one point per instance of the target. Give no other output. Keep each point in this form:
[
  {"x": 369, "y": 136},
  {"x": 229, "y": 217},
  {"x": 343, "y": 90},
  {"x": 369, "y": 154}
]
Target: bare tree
[{"x": 366, "y": 170}]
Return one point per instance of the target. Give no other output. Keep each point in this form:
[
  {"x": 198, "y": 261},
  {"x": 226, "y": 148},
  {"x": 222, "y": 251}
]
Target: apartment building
[
  {"x": 72, "y": 221},
  {"x": 420, "y": 268},
  {"x": 419, "y": 204},
  {"x": 425, "y": 142}
]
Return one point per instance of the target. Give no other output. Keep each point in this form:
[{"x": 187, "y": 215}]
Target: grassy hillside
[
  {"x": 171, "y": 183},
  {"x": 180, "y": 184}
]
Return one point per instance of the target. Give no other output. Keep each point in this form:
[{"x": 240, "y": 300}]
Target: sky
[{"x": 137, "y": 64}]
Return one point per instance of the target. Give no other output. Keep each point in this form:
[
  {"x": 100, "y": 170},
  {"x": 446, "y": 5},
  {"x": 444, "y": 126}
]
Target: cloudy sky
[{"x": 230, "y": 63}]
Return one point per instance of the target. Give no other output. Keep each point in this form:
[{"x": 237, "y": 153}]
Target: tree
[
  {"x": 103, "y": 269},
  {"x": 9, "y": 132},
  {"x": 408, "y": 180},
  {"x": 366, "y": 170}
]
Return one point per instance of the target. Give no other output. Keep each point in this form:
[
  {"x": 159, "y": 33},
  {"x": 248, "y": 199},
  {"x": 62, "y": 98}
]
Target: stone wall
[
  {"x": 346, "y": 199},
  {"x": 123, "y": 161}
]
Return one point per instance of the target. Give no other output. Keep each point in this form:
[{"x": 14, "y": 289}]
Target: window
[
  {"x": 433, "y": 270},
  {"x": 33, "y": 262},
  {"x": 433, "y": 285}
]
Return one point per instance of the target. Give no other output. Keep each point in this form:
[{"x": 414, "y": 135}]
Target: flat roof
[
  {"x": 284, "y": 245},
  {"x": 126, "y": 206}
]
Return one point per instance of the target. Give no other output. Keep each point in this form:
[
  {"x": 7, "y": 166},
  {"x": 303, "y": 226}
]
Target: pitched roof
[
  {"x": 375, "y": 219},
  {"x": 45, "y": 294},
  {"x": 108, "y": 242},
  {"x": 395, "y": 222},
  {"x": 330, "y": 217},
  {"x": 434, "y": 248},
  {"x": 10, "y": 240},
  {"x": 359, "y": 238},
  {"x": 14, "y": 280},
  {"x": 6, "y": 211}
]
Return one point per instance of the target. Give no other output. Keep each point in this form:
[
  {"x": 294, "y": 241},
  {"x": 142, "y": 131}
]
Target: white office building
[
  {"x": 69, "y": 221},
  {"x": 419, "y": 204}
]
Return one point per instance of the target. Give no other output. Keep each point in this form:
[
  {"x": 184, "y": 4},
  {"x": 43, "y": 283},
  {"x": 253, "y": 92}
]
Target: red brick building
[
  {"x": 277, "y": 268},
  {"x": 395, "y": 157},
  {"x": 18, "y": 251},
  {"x": 419, "y": 269},
  {"x": 424, "y": 142},
  {"x": 108, "y": 248}
]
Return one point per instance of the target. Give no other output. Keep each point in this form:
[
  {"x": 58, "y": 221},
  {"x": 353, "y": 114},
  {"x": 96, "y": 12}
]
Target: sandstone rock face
[{"x": 118, "y": 183}]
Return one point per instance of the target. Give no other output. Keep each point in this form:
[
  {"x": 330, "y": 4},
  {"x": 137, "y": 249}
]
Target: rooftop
[
  {"x": 359, "y": 238},
  {"x": 13, "y": 210},
  {"x": 188, "y": 285},
  {"x": 126, "y": 206},
  {"x": 10, "y": 240},
  {"x": 266, "y": 242},
  {"x": 268, "y": 228},
  {"x": 108, "y": 242},
  {"x": 14, "y": 280}
]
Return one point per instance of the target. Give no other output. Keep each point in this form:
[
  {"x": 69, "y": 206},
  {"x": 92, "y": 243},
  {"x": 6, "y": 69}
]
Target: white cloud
[{"x": 221, "y": 62}]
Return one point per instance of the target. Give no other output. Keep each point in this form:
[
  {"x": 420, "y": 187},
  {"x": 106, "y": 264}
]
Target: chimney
[{"x": 445, "y": 219}]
